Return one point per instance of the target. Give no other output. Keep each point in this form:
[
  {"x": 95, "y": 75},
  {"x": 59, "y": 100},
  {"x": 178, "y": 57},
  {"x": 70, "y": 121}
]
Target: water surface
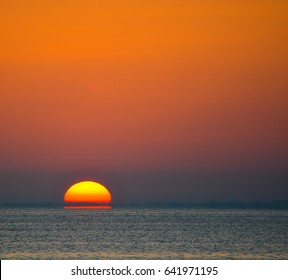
[{"x": 56, "y": 233}]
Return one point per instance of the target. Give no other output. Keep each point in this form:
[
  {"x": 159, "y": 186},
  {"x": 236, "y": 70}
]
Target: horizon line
[{"x": 273, "y": 204}]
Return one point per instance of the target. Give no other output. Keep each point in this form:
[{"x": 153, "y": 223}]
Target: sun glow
[{"x": 87, "y": 192}]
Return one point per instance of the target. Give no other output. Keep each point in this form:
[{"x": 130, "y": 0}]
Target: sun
[{"x": 87, "y": 192}]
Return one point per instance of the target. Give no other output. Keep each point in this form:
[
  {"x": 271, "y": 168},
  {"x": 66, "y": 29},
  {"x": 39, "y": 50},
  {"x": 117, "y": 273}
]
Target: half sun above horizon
[{"x": 87, "y": 192}]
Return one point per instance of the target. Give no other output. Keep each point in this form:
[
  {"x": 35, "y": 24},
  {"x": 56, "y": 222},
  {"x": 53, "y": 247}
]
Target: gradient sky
[{"x": 184, "y": 100}]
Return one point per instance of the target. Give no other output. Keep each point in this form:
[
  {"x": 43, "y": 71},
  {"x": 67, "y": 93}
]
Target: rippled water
[{"x": 56, "y": 233}]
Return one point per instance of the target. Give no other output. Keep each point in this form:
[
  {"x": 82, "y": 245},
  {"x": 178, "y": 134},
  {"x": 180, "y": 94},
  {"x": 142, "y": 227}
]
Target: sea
[{"x": 143, "y": 233}]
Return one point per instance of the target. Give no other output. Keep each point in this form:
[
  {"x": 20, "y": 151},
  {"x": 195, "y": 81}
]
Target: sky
[{"x": 157, "y": 100}]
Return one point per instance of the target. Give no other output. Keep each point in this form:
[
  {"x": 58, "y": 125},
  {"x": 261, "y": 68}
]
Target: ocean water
[{"x": 56, "y": 233}]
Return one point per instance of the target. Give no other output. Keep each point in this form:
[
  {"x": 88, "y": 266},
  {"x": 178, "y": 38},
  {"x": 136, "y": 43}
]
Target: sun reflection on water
[{"x": 89, "y": 207}]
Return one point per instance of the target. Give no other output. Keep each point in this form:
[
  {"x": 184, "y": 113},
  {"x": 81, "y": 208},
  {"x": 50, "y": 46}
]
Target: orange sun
[{"x": 87, "y": 192}]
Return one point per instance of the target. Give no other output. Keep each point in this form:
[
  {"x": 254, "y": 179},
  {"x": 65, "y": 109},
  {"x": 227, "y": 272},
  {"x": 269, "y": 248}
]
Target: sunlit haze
[{"x": 160, "y": 100}]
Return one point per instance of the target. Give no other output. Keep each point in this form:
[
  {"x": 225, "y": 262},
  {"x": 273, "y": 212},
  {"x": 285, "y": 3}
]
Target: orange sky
[{"x": 143, "y": 84}]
